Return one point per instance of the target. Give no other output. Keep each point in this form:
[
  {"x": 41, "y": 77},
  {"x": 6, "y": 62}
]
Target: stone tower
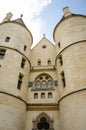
[
  {"x": 15, "y": 45},
  {"x": 43, "y": 87},
  {"x": 70, "y": 38}
]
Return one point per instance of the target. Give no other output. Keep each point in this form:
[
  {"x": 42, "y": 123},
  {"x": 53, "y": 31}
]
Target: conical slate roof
[{"x": 19, "y": 20}]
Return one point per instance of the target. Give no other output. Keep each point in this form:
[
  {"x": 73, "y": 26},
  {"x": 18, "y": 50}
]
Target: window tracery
[
  {"x": 43, "y": 122},
  {"x": 43, "y": 81}
]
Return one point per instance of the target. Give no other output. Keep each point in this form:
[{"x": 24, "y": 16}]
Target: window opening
[
  {"x": 49, "y": 95},
  {"x": 20, "y": 81},
  {"x": 2, "y": 53},
  {"x": 23, "y": 62},
  {"x": 63, "y": 79},
  {"x": 56, "y": 83},
  {"x": 49, "y": 84},
  {"x": 25, "y": 47},
  {"x": 43, "y": 84},
  {"x": 39, "y": 62},
  {"x": 41, "y": 78},
  {"x": 7, "y": 39},
  {"x": 49, "y": 62},
  {"x": 59, "y": 45},
  {"x": 35, "y": 95},
  {"x": 44, "y": 46},
  {"x": 38, "y": 85},
  {"x": 60, "y": 60},
  {"x": 46, "y": 77},
  {"x": 42, "y": 95}
]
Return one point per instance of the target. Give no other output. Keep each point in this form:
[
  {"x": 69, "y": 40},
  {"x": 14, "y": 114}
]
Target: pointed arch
[
  {"x": 43, "y": 81},
  {"x": 43, "y": 121}
]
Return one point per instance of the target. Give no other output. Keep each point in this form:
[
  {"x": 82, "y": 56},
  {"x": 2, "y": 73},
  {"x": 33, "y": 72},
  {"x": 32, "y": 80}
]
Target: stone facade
[{"x": 43, "y": 88}]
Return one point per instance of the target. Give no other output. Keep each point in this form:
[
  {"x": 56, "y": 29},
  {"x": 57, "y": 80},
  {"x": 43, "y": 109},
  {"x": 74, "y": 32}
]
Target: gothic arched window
[
  {"x": 37, "y": 84},
  {"x": 43, "y": 84},
  {"x": 49, "y": 84},
  {"x": 43, "y": 81}
]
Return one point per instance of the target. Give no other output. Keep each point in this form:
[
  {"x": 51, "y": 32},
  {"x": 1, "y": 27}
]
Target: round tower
[
  {"x": 70, "y": 37},
  {"x": 15, "y": 45}
]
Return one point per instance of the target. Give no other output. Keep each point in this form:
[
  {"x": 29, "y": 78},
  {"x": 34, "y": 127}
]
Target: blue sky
[
  {"x": 53, "y": 13},
  {"x": 41, "y": 16}
]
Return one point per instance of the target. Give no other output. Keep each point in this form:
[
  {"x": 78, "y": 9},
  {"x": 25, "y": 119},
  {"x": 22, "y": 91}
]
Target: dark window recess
[
  {"x": 60, "y": 60},
  {"x": 23, "y": 62},
  {"x": 59, "y": 45},
  {"x": 2, "y": 53},
  {"x": 39, "y": 63},
  {"x": 49, "y": 95},
  {"x": 42, "y": 95},
  {"x": 7, "y": 39},
  {"x": 30, "y": 84},
  {"x": 63, "y": 78},
  {"x": 25, "y": 47},
  {"x": 35, "y": 95},
  {"x": 43, "y": 124},
  {"x": 49, "y": 62},
  {"x": 55, "y": 82},
  {"x": 20, "y": 81},
  {"x": 44, "y": 46}
]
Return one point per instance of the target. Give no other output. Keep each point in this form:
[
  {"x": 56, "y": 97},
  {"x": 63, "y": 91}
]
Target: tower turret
[
  {"x": 15, "y": 45},
  {"x": 70, "y": 37}
]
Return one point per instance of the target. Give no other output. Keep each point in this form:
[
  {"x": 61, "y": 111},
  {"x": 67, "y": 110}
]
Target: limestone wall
[
  {"x": 73, "y": 112},
  {"x": 12, "y": 113}
]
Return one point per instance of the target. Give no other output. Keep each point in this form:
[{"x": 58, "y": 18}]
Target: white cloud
[{"x": 30, "y": 9}]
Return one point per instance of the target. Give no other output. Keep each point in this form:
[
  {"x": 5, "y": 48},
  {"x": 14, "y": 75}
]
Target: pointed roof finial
[
  {"x": 21, "y": 15},
  {"x": 43, "y": 35}
]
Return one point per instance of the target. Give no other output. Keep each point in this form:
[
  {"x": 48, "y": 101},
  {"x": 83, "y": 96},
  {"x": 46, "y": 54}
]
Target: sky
[{"x": 40, "y": 16}]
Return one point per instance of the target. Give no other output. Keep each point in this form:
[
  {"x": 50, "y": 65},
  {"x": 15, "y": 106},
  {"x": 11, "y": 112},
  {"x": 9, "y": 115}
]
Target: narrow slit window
[
  {"x": 2, "y": 53},
  {"x": 43, "y": 84},
  {"x": 20, "y": 81},
  {"x": 38, "y": 85},
  {"x": 23, "y": 62},
  {"x": 25, "y": 47},
  {"x": 59, "y": 45},
  {"x": 63, "y": 79},
  {"x": 60, "y": 60},
  {"x": 7, "y": 39},
  {"x": 50, "y": 85}
]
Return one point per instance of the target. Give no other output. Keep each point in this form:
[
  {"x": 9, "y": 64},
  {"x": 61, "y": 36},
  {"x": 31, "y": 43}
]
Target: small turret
[
  {"x": 66, "y": 12},
  {"x": 8, "y": 17}
]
